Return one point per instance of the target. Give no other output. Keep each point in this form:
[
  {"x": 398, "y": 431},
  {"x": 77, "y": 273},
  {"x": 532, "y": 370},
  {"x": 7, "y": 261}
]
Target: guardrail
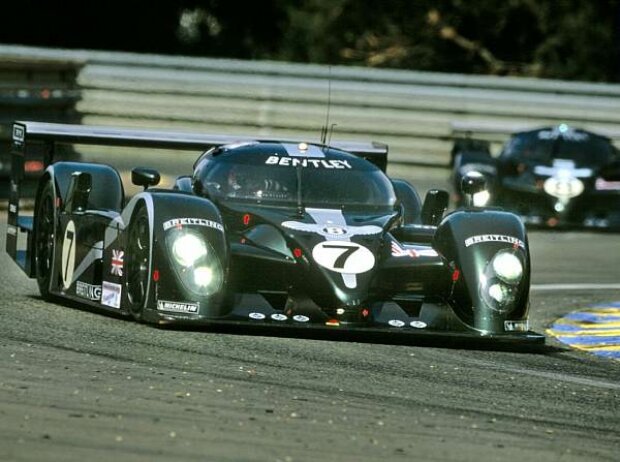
[{"x": 414, "y": 112}]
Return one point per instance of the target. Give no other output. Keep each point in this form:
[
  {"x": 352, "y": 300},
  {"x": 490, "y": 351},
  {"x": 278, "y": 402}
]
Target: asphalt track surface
[{"x": 80, "y": 385}]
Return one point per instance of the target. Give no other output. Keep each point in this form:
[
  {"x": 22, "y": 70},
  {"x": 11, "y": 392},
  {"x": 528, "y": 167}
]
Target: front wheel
[
  {"x": 45, "y": 239},
  {"x": 138, "y": 259}
]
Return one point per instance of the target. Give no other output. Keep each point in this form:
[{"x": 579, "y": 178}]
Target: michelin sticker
[
  {"x": 111, "y": 294},
  {"x": 177, "y": 307},
  {"x": 279, "y": 317},
  {"x": 396, "y": 323},
  {"x": 193, "y": 221},
  {"x": 301, "y": 318},
  {"x": 494, "y": 238}
]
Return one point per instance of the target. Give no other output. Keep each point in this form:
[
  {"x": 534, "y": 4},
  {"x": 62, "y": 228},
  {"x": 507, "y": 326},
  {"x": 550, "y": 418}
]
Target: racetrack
[{"x": 80, "y": 385}]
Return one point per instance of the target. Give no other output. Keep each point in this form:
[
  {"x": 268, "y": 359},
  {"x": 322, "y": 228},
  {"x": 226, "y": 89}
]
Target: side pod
[{"x": 487, "y": 252}]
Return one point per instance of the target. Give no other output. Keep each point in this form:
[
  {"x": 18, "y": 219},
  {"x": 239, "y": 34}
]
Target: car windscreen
[
  {"x": 536, "y": 147},
  {"x": 339, "y": 182}
]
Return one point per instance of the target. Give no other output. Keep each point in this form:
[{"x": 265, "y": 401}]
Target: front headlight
[
  {"x": 187, "y": 249},
  {"x": 195, "y": 262},
  {"x": 507, "y": 267},
  {"x": 203, "y": 276},
  {"x": 499, "y": 284}
]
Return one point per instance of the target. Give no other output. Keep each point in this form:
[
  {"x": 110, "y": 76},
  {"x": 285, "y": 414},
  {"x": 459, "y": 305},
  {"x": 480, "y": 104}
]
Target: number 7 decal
[
  {"x": 68, "y": 255},
  {"x": 343, "y": 257}
]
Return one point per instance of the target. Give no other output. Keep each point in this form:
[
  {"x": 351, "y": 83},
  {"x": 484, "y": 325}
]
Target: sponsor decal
[
  {"x": 257, "y": 316},
  {"x": 13, "y": 208},
  {"x": 177, "y": 307},
  {"x": 88, "y": 291},
  {"x": 68, "y": 255},
  {"x": 111, "y": 294},
  {"x": 396, "y": 323},
  {"x": 18, "y": 133},
  {"x": 305, "y": 162},
  {"x": 279, "y": 317},
  {"x": 12, "y": 230},
  {"x": 193, "y": 222},
  {"x": 516, "y": 326},
  {"x": 418, "y": 324},
  {"x": 118, "y": 257},
  {"x": 494, "y": 238},
  {"x": 301, "y": 318}
]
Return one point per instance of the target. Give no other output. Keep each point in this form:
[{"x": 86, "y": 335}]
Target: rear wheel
[
  {"x": 138, "y": 255},
  {"x": 45, "y": 239}
]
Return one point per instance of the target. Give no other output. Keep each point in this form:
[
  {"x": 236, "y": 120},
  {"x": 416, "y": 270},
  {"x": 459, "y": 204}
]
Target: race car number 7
[
  {"x": 68, "y": 255},
  {"x": 343, "y": 257}
]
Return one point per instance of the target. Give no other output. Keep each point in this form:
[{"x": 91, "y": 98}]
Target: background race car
[
  {"x": 270, "y": 234},
  {"x": 555, "y": 176}
]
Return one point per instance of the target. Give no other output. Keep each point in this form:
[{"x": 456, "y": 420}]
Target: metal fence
[{"x": 416, "y": 113}]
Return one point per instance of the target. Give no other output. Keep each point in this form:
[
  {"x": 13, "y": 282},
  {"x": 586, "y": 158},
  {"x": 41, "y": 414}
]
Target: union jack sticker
[
  {"x": 117, "y": 262},
  {"x": 399, "y": 251}
]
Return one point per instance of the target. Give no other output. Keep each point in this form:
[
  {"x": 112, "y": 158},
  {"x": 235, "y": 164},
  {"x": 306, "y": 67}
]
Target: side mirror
[
  {"x": 144, "y": 176},
  {"x": 472, "y": 184},
  {"x": 79, "y": 191},
  {"x": 435, "y": 204}
]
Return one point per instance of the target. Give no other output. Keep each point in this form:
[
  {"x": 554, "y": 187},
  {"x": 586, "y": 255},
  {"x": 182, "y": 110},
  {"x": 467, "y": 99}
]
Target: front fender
[
  {"x": 469, "y": 240},
  {"x": 180, "y": 213},
  {"x": 168, "y": 294}
]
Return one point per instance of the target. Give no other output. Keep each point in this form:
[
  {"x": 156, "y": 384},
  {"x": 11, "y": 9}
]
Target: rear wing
[{"x": 51, "y": 135}]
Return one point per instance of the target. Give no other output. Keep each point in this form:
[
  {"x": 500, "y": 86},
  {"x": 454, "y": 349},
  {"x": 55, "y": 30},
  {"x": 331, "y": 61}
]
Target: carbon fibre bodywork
[{"x": 270, "y": 235}]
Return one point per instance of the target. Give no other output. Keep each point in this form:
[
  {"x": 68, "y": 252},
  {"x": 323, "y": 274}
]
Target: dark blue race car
[{"x": 553, "y": 177}]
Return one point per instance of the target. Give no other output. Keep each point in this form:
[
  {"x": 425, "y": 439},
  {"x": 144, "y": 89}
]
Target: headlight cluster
[
  {"x": 195, "y": 261},
  {"x": 500, "y": 282}
]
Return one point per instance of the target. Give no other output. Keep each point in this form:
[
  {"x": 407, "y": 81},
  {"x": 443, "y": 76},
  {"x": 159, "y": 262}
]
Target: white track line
[{"x": 574, "y": 286}]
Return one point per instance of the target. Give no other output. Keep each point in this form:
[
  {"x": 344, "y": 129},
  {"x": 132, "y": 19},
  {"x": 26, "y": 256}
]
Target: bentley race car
[
  {"x": 271, "y": 234},
  {"x": 553, "y": 177}
]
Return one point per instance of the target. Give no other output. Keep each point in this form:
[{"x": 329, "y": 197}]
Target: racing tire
[
  {"x": 44, "y": 244},
  {"x": 138, "y": 255}
]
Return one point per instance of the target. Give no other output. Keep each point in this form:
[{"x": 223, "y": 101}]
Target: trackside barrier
[{"x": 416, "y": 113}]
